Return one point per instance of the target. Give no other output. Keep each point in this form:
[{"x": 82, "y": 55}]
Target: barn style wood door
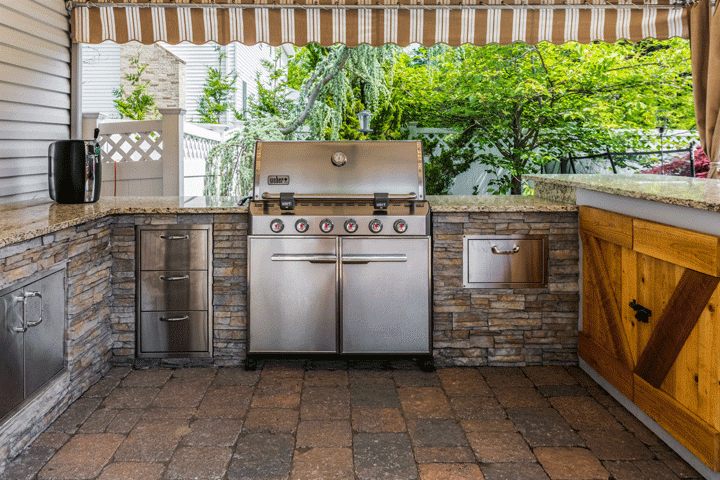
[{"x": 667, "y": 363}]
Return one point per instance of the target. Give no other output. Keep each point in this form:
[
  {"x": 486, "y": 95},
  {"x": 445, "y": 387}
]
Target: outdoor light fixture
[{"x": 364, "y": 118}]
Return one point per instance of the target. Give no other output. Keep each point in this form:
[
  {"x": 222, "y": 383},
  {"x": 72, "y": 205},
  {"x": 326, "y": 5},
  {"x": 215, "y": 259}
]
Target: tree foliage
[
  {"x": 131, "y": 99},
  {"x": 519, "y": 106},
  {"x": 217, "y": 93}
]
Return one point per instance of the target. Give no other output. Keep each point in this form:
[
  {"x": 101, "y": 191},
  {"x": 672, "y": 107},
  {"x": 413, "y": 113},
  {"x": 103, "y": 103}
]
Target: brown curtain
[
  {"x": 377, "y": 22},
  {"x": 705, "y": 51}
]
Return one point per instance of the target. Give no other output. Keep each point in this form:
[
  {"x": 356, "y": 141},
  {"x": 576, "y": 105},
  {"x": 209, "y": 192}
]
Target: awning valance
[{"x": 400, "y": 22}]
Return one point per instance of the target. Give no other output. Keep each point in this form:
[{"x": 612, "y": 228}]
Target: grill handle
[
  {"x": 304, "y": 257},
  {"x": 274, "y": 196},
  {"x": 381, "y": 257}
]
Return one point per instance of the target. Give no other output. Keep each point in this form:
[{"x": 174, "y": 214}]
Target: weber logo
[{"x": 278, "y": 180}]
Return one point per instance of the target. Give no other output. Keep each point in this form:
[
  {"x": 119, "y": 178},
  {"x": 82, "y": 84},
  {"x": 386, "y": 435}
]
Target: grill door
[
  {"x": 293, "y": 295},
  {"x": 385, "y": 291}
]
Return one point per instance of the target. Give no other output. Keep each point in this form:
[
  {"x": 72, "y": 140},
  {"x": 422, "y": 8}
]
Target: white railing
[{"x": 198, "y": 141}]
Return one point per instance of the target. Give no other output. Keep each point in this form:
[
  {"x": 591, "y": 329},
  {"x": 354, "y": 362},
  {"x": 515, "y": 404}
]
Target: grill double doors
[{"x": 339, "y": 295}]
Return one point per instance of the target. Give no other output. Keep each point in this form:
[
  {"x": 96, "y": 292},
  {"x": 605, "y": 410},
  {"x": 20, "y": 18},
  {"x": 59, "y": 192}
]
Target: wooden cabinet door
[{"x": 606, "y": 339}]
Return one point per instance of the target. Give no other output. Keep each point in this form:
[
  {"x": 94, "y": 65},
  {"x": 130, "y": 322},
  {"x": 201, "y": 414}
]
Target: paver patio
[{"x": 335, "y": 420}]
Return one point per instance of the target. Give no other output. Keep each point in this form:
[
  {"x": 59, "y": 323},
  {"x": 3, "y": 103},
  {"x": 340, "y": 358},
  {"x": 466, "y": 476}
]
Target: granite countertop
[
  {"x": 495, "y": 203},
  {"x": 30, "y": 219},
  {"x": 699, "y": 193}
]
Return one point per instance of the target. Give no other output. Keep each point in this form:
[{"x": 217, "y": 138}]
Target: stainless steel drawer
[
  {"x": 492, "y": 261},
  {"x": 174, "y": 290},
  {"x": 174, "y": 249},
  {"x": 184, "y": 333}
]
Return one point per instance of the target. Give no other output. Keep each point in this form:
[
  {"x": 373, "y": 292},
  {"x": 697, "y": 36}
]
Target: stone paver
[
  {"x": 192, "y": 463},
  {"x": 83, "y": 457},
  {"x": 356, "y": 420},
  {"x": 456, "y": 471},
  {"x": 570, "y": 463},
  {"x": 383, "y": 456},
  {"x": 325, "y": 463},
  {"x": 132, "y": 471}
]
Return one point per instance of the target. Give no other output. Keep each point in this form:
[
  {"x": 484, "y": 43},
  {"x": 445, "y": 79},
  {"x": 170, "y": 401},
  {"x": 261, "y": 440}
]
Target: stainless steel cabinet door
[
  {"x": 45, "y": 336},
  {"x": 174, "y": 249},
  {"x": 183, "y": 290},
  {"x": 293, "y": 294},
  {"x": 11, "y": 351},
  {"x": 385, "y": 295},
  {"x": 173, "y": 332}
]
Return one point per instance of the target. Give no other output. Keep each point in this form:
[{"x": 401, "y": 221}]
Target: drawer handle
[
  {"x": 174, "y": 319},
  {"x": 174, "y": 279},
  {"x": 174, "y": 237},
  {"x": 514, "y": 250}
]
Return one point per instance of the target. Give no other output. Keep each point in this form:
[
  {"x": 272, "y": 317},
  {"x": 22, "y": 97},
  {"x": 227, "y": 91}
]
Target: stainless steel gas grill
[{"x": 339, "y": 250}]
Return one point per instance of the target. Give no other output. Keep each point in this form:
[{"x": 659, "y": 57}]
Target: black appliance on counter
[{"x": 75, "y": 170}]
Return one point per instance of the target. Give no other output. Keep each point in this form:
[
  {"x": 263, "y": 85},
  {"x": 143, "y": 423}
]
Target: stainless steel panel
[
  {"x": 293, "y": 299},
  {"x": 174, "y": 249},
  {"x": 504, "y": 261},
  {"x": 385, "y": 295},
  {"x": 174, "y": 290},
  {"x": 11, "y": 351},
  {"x": 173, "y": 332},
  {"x": 417, "y": 225},
  {"x": 45, "y": 336},
  {"x": 305, "y": 168}
]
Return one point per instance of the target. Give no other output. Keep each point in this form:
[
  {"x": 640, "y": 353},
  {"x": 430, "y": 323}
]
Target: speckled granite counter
[
  {"x": 493, "y": 203},
  {"x": 697, "y": 193},
  {"x": 25, "y": 220}
]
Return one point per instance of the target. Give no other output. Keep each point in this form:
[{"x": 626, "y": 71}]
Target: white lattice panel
[
  {"x": 131, "y": 147},
  {"x": 198, "y": 147}
]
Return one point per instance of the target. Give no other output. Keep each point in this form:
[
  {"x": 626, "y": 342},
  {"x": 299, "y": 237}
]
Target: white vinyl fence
[{"x": 152, "y": 157}]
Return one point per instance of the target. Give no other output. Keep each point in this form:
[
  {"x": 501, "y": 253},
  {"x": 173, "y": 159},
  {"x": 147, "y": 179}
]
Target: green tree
[
  {"x": 131, "y": 98},
  {"x": 519, "y": 106},
  {"x": 217, "y": 93}
]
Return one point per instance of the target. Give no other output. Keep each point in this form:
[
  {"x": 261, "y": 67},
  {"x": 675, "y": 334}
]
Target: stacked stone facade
[
  {"x": 165, "y": 73},
  {"x": 229, "y": 285},
  {"x": 533, "y": 326},
  {"x": 86, "y": 251}
]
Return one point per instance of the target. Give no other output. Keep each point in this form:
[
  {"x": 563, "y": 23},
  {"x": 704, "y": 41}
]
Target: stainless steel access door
[
  {"x": 293, "y": 294},
  {"x": 386, "y": 295},
  {"x": 45, "y": 336},
  {"x": 11, "y": 351}
]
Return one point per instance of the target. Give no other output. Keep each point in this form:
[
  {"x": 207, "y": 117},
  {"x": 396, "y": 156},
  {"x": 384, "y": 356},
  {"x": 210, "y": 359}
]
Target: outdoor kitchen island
[
  {"x": 472, "y": 326},
  {"x": 650, "y": 326}
]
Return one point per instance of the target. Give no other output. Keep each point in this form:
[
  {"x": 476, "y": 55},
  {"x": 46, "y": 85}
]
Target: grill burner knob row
[
  {"x": 351, "y": 226},
  {"x": 375, "y": 226},
  {"x": 277, "y": 225},
  {"x": 302, "y": 225},
  {"x": 326, "y": 226},
  {"x": 400, "y": 226}
]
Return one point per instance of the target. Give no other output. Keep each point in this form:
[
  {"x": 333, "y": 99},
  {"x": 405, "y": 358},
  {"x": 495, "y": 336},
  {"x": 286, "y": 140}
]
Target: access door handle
[
  {"x": 514, "y": 250},
  {"x": 380, "y": 257},
  {"x": 27, "y": 295},
  {"x": 174, "y": 237},
  {"x": 174, "y": 279},
  {"x": 304, "y": 257},
  {"x": 175, "y": 319}
]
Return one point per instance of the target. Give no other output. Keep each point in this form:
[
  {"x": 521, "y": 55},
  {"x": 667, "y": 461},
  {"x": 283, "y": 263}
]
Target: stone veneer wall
[
  {"x": 505, "y": 326},
  {"x": 229, "y": 285},
  {"x": 165, "y": 73},
  {"x": 87, "y": 251}
]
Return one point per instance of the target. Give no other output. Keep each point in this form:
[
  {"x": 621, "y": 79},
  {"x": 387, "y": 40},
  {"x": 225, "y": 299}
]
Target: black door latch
[{"x": 642, "y": 314}]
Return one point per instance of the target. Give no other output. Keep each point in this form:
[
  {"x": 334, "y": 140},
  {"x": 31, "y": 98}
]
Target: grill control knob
[
  {"x": 351, "y": 226},
  {"x": 400, "y": 226},
  {"x": 302, "y": 225},
  {"x": 375, "y": 225},
  {"x": 326, "y": 226},
  {"x": 277, "y": 225}
]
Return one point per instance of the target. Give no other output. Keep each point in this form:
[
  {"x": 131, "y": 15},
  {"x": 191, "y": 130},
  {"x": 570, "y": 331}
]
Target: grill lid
[{"x": 339, "y": 169}]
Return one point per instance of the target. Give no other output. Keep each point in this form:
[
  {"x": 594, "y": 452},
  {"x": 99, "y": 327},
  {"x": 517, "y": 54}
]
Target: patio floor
[{"x": 385, "y": 420}]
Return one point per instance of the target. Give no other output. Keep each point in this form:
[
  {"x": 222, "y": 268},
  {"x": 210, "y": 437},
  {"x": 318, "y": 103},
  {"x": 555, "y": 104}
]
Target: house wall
[
  {"x": 165, "y": 73},
  {"x": 34, "y": 93}
]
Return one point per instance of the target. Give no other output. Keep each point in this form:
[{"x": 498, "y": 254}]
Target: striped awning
[{"x": 377, "y": 22}]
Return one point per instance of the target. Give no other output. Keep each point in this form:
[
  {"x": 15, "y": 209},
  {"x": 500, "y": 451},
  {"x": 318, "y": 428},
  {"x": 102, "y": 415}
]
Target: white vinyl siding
[
  {"x": 101, "y": 73},
  {"x": 34, "y": 93}
]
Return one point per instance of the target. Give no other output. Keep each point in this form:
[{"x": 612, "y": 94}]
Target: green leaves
[
  {"x": 131, "y": 99},
  {"x": 217, "y": 93}
]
